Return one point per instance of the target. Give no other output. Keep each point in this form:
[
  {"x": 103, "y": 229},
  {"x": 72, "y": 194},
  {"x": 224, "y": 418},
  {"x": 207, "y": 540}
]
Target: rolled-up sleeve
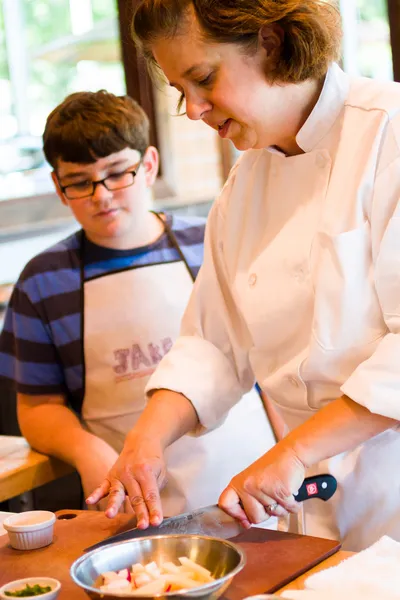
[
  {"x": 375, "y": 383},
  {"x": 209, "y": 362}
]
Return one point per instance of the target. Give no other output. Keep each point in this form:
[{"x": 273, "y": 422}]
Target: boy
[{"x": 92, "y": 316}]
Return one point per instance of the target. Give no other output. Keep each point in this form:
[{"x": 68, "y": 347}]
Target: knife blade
[{"x": 213, "y": 521}]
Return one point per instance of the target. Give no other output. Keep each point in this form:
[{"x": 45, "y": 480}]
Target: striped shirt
[{"x": 41, "y": 345}]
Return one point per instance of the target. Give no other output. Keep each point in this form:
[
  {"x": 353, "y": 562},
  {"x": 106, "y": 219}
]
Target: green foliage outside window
[
  {"x": 370, "y": 10},
  {"x": 374, "y": 51},
  {"x": 4, "y": 74},
  {"x": 103, "y": 9}
]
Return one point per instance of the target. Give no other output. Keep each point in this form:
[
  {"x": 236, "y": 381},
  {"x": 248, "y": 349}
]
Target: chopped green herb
[{"x": 28, "y": 590}]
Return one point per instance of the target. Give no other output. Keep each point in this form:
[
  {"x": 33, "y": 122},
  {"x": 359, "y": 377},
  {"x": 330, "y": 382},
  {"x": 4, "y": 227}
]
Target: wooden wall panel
[
  {"x": 138, "y": 83},
  {"x": 394, "y": 23}
]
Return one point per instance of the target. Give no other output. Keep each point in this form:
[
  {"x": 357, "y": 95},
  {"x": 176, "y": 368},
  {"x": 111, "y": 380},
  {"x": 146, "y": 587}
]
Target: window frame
[{"x": 393, "y": 7}]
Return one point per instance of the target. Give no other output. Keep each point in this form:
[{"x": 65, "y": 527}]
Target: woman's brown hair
[{"x": 312, "y": 29}]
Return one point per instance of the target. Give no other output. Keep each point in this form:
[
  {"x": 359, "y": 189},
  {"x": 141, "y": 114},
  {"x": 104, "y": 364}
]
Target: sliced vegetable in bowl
[
  {"x": 153, "y": 578},
  {"x": 221, "y": 558}
]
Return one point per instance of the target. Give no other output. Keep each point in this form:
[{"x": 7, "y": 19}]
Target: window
[
  {"x": 62, "y": 46},
  {"x": 366, "y": 45}
]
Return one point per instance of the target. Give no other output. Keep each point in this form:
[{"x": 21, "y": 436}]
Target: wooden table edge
[{"x": 38, "y": 470}]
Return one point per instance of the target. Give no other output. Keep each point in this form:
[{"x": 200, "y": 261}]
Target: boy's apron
[{"x": 130, "y": 321}]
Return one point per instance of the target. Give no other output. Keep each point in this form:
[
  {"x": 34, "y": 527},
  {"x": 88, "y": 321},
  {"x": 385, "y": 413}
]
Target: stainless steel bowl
[{"x": 224, "y": 559}]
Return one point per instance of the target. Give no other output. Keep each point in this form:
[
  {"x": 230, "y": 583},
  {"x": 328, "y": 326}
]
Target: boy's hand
[{"x": 139, "y": 473}]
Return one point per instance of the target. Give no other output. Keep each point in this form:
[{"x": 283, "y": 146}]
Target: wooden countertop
[{"x": 23, "y": 469}]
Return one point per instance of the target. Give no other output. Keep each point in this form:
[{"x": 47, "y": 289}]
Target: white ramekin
[
  {"x": 43, "y": 581},
  {"x": 31, "y": 529}
]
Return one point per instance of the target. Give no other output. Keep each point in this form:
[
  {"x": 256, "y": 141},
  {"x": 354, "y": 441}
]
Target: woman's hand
[
  {"x": 270, "y": 481},
  {"x": 135, "y": 478},
  {"x": 93, "y": 465},
  {"x": 139, "y": 473}
]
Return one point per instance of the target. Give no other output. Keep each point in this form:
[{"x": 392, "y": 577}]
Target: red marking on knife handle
[{"x": 312, "y": 489}]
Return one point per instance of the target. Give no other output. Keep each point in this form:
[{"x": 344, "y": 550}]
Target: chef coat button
[
  {"x": 321, "y": 160},
  {"x": 252, "y": 280},
  {"x": 293, "y": 380},
  {"x": 300, "y": 273}
]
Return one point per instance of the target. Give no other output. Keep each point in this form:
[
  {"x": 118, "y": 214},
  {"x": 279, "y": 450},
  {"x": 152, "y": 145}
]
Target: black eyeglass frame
[{"x": 103, "y": 181}]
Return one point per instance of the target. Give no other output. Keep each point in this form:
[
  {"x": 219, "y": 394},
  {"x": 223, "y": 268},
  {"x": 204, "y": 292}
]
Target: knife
[{"x": 213, "y": 521}]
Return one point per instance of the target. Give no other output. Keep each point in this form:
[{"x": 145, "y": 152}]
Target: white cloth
[
  {"x": 373, "y": 574},
  {"x": 302, "y": 271},
  {"x": 131, "y": 318}
]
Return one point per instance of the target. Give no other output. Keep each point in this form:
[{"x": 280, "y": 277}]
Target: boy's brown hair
[
  {"x": 312, "y": 29},
  {"x": 87, "y": 126}
]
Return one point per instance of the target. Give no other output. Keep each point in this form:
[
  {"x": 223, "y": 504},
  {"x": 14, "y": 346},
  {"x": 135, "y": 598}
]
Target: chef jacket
[{"x": 300, "y": 290}]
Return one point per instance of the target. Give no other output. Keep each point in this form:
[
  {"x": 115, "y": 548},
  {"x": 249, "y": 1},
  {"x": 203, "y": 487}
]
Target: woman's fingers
[
  {"x": 135, "y": 478},
  {"x": 276, "y": 502},
  {"x": 231, "y": 503},
  {"x": 100, "y": 492},
  {"x": 127, "y": 507},
  {"x": 289, "y": 504},
  {"x": 274, "y": 509},
  {"x": 138, "y": 504},
  {"x": 143, "y": 492},
  {"x": 247, "y": 508},
  {"x": 140, "y": 490},
  {"x": 265, "y": 488},
  {"x": 116, "y": 498}
]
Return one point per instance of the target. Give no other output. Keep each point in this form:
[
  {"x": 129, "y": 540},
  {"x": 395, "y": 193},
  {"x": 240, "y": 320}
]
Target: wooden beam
[
  {"x": 138, "y": 83},
  {"x": 394, "y": 24}
]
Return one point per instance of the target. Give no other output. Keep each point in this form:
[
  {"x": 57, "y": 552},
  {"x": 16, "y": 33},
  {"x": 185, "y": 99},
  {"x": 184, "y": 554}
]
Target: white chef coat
[{"x": 302, "y": 271}]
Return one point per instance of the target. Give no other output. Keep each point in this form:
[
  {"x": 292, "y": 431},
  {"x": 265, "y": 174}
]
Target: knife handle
[{"x": 319, "y": 486}]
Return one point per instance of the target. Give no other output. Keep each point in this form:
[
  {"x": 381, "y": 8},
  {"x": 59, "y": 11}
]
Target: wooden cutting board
[{"x": 273, "y": 558}]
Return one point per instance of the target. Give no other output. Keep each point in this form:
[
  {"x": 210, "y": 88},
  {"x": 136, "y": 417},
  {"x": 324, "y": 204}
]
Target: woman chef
[{"x": 300, "y": 288}]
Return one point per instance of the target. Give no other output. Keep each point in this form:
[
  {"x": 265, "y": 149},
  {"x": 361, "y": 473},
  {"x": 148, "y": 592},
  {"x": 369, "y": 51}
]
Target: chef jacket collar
[
  {"x": 324, "y": 114},
  {"x": 326, "y": 111}
]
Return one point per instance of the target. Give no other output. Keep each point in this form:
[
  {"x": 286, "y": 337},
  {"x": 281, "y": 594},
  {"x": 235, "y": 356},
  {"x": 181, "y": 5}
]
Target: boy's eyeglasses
[{"x": 113, "y": 182}]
